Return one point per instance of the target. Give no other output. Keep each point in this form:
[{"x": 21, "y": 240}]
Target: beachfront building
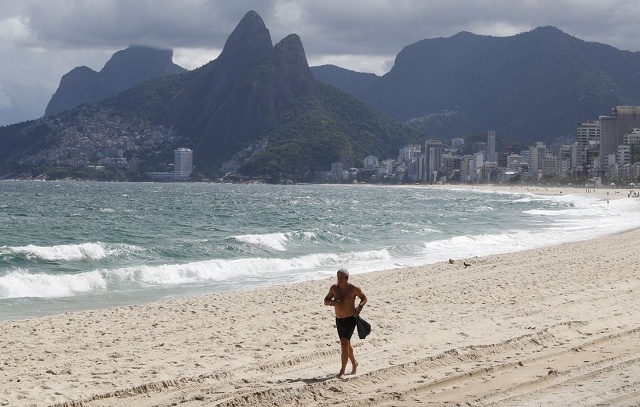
[
  {"x": 632, "y": 139},
  {"x": 433, "y": 150},
  {"x": 513, "y": 163},
  {"x": 182, "y": 167},
  {"x": 624, "y": 155},
  {"x": 337, "y": 169},
  {"x": 491, "y": 146},
  {"x": 587, "y": 144},
  {"x": 567, "y": 160},
  {"x": 409, "y": 153},
  {"x": 410, "y": 157},
  {"x": 536, "y": 157},
  {"x": 612, "y": 130},
  {"x": 182, "y": 163},
  {"x": 475, "y": 167},
  {"x": 549, "y": 165}
]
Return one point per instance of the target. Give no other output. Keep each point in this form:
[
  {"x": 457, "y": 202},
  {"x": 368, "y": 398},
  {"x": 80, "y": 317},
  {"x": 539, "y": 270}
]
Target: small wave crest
[
  {"x": 69, "y": 252},
  {"x": 275, "y": 241}
]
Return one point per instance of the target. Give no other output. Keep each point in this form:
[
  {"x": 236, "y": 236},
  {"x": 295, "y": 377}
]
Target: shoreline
[
  {"x": 555, "y": 325},
  {"x": 601, "y": 193}
]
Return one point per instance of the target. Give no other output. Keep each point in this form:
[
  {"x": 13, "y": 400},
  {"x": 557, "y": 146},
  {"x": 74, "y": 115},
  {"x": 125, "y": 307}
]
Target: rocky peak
[
  {"x": 249, "y": 41},
  {"x": 290, "y": 68},
  {"x": 125, "y": 69},
  {"x": 139, "y": 62}
]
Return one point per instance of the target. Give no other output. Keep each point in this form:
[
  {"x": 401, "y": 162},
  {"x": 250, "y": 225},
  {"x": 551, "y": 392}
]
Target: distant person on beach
[{"x": 342, "y": 297}]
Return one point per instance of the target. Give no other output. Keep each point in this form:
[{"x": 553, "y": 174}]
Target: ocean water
[{"x": 67, "y": 246}]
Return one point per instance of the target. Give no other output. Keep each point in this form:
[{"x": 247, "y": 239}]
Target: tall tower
[
  {"x": 182, "y": 163},
  {"x": 491, "y": 146},
  {"x": 587, "y": 143},
  {"x": 614, "y": 127},
  {"x": 433, "y": 150},
  {"x": 537, "y": 154}
]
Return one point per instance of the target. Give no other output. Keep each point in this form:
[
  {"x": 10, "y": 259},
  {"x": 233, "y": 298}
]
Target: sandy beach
[{"x": 554, "y": 326}]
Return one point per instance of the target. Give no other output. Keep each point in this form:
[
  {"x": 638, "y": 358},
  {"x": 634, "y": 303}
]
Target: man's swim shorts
[{"x": 345, "y": 327}]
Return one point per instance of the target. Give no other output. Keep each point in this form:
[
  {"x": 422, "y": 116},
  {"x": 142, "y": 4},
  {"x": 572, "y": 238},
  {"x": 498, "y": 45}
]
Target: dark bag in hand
[{"x": 364, "y": 328}]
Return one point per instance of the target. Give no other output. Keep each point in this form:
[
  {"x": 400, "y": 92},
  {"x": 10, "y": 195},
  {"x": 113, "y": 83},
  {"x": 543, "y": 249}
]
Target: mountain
[
  {"x": 351, "y": 82},
  {"x": 125, "y": 69},
  {"x": 534, "y": 86},
  {"x": 256, "y": 109}
]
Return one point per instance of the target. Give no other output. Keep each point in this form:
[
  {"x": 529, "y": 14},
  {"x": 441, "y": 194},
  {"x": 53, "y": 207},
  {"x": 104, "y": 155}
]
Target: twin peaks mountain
[{"x": 256, "y": 109}]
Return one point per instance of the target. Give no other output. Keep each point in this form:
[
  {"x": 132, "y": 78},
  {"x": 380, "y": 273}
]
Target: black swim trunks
[{"x": 345, "y": 327}]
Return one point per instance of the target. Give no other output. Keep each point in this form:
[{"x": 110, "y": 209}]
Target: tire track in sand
[{"x": 534, "y": 366}]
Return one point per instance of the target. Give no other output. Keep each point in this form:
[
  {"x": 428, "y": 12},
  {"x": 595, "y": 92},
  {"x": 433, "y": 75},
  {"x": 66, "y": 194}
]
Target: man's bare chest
[{"x": 346, "y": 294}]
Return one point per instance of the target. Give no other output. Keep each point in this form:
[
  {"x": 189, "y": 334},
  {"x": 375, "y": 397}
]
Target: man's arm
[
  {"x": 329, "y": 299},
  {"x": 363, "y": 301}
]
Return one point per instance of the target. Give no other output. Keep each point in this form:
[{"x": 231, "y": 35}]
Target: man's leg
[
  {"x": 346, "y": 351},
  {"x": 354, "y": 364}
]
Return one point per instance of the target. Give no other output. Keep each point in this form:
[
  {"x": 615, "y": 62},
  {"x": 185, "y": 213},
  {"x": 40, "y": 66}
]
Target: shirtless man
[{"x": 342, "y": 297}]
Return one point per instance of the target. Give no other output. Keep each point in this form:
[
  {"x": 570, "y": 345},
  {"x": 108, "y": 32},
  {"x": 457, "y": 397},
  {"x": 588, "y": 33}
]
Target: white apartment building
[
  {"x": 536, "y": 157},
  {"x": 587, "y": 143},
  {"x": 182, "y": 163},
  {"x": 491, "y": 146}
]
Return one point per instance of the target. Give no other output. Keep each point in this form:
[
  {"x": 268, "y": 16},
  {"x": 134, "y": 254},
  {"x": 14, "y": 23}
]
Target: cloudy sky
[{"x": 41, "y": 40}]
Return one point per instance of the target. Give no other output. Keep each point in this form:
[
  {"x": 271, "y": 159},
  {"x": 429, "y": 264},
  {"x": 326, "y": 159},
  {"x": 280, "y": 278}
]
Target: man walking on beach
[{"x": 342, "y": 297}]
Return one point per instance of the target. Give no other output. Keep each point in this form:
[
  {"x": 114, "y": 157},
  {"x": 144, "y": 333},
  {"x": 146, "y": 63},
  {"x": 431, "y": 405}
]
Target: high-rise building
[
  {"x": 491, "y": 146},
  {"x": 337, "y": 169},
  {"x": 613, "y": 128},
  {"x": 409, "y": 153},
  {"x": 433, "y": 150},
  {"x": 182, "y": 163},
  {"x": 587, "y": 144},
  {"x": 537, "y": 155},
  {"x": 566, "y": 159}
]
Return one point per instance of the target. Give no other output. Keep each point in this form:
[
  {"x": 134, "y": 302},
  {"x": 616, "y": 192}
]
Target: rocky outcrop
[{"x": 125, "y": 69}]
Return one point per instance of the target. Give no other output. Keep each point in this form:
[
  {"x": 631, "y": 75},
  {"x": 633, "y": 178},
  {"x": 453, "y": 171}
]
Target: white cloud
[
  {"x": 359, "y": 63},
  {"x": 14, "y": 30},
  {"x": 5, "y": 100},
  {"x": 191, "y": 58}
]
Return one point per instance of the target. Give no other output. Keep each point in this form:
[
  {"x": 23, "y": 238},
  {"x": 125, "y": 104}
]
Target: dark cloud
[{"x": 40, "y": 40}]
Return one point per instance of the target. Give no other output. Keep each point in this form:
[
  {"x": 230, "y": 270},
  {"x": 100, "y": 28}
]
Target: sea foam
[
  {"x": 63, "y": 252},
  {"x": 20, "y": 284}
]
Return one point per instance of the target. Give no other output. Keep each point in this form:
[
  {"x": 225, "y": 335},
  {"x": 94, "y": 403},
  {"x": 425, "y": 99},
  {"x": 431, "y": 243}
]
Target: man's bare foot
[
  {"x": 355, "y": 366},
  {"x": 340, "y": 376}
]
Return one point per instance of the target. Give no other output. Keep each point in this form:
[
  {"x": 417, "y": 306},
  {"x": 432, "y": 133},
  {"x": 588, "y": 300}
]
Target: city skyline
[{"x": 605, "y": 148}]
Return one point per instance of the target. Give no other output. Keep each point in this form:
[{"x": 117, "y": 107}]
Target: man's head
[{"x": 343, "y": 274}]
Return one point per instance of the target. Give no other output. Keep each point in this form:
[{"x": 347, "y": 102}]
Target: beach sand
[{"x": 554, "y": 326}]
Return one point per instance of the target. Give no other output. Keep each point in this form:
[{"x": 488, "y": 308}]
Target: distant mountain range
[
  {"x": 256, "y": 109},
  {"x": 534, "y": 86}
]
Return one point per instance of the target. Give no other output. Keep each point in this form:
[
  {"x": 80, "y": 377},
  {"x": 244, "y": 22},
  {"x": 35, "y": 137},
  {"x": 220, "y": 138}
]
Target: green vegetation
[{"x": 323, "y": 129}]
